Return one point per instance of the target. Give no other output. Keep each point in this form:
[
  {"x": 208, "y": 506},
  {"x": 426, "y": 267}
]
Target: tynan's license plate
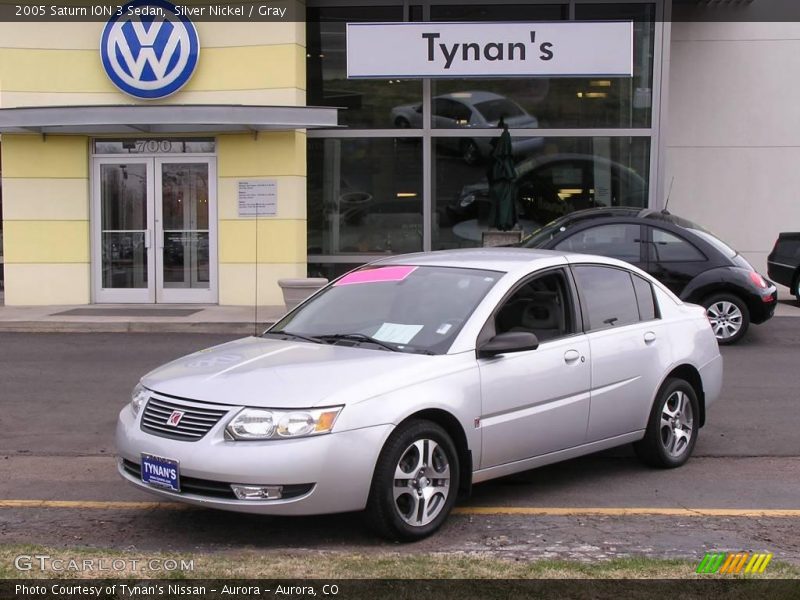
[{"x": 161, "y": 472}]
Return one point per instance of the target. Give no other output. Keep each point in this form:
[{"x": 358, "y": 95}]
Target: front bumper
[{"x": 336, "y": 469}]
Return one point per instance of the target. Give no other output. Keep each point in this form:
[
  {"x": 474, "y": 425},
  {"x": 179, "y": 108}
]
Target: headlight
[
  {"x": 265, "y": 424},
  {"x": 139, "y": 397}
]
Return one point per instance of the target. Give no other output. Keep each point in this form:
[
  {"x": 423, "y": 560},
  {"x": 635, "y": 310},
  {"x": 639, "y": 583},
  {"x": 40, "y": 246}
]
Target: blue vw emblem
[{"x": 149, "y": 51}]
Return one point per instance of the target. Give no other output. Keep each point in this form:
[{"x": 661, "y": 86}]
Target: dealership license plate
[{"x": 161, "y": 472}]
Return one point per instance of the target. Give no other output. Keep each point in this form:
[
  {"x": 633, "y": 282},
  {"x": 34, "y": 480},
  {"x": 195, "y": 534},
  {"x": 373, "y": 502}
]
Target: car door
[
  {"x": 628, "y": 346},
  {"x": 536, "y": 401},
  {"x": 622, "y": 241},
  {"x": 672, "y": 259}
]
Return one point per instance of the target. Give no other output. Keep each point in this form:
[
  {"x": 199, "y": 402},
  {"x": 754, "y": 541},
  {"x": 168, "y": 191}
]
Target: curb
[{"x": 129, "y": 327}]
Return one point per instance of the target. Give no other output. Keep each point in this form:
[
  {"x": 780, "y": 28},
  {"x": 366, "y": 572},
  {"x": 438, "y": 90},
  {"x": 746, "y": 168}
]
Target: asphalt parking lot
[{"x": 58, "y": 485}]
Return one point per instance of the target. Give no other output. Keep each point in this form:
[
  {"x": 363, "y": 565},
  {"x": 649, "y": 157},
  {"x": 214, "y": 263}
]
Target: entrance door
[{"x": 155, "y": 230}]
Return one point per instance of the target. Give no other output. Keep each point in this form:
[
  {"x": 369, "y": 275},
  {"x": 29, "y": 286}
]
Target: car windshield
[
  {"x": 403, "y": 308},
  {"x": 492, "y": 110}
]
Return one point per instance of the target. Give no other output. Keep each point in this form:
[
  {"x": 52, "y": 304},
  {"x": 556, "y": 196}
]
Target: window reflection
[
  {"x": 567, "y": 102},
  {"x": 369, "y": 103},
  {"x": 364, "y": 196},
  {"x": 561, "y": 175}
]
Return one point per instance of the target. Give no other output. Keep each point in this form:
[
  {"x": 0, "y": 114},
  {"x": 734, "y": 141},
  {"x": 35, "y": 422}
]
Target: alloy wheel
[
  {"x": 421, "y": 482},
  {"x": 677, "y": 424},
  {"x": 726, "y": 319}
]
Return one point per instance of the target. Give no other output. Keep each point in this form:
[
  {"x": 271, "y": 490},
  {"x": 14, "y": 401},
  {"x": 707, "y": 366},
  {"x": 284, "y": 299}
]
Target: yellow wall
[
  {"x": 46, "y": 185},
  {"x": 46, "y": 219},
  {"x": 281, "y": 240}
]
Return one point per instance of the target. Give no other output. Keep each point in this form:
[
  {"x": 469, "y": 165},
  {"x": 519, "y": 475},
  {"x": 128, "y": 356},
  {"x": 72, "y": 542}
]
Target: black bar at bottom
[{"x": 705, "y": 588}]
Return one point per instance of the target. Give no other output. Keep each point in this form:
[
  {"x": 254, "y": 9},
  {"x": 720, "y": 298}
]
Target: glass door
[
  {"x": 154, "y": 230},
  {"x": 185, "y": 208},
  {"x": 123, "y": 261}
]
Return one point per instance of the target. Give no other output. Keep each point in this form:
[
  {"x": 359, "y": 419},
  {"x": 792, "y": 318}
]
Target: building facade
[{"x": 269, "y": 162}]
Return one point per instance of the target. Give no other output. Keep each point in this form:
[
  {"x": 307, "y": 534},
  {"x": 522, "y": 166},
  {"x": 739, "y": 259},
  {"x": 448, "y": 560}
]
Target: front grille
[
  {"x": 193, "y": 425},
  {"x": 215, "y": 489}
]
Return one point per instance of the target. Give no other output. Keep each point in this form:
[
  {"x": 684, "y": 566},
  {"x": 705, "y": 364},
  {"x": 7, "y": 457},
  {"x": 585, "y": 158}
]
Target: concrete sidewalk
[
  {"x": 180, "y": 318},
  {"x": 109, "y": 318}
]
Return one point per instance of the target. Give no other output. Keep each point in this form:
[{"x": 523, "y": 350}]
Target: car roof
[
  {"x": 472, "y": 97},
  {"x": 491, "y": 259},
  {"x": 627, "y": 212}
]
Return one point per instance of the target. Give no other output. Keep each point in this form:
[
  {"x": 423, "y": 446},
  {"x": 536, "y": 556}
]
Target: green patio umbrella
[{"x": 502, "y": 176}]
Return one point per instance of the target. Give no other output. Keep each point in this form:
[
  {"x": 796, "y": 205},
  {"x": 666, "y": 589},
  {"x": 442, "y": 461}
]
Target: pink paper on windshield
[{"x": 376, "y": 275}]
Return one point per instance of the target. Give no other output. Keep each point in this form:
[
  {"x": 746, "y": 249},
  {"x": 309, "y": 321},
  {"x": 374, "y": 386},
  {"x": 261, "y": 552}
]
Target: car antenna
[{"x": 664, "y": 210}]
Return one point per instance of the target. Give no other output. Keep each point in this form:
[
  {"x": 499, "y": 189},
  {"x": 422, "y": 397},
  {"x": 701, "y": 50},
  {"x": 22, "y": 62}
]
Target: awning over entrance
[{"x": 161, "y": 119}]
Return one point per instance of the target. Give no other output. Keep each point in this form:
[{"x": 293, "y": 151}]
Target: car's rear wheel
[
  {"x": 415, "y": 483},
  {"x": 728, "y": 316},
  {"x": 672, "y": 428}
]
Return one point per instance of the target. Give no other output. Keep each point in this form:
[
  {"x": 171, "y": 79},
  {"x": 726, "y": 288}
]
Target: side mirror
[{"x": 511, "y": 341}]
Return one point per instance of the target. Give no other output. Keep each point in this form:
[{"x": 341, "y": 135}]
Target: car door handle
[
  {"x": 649, "y": 337},
  {"x": 571, "y": 356}
]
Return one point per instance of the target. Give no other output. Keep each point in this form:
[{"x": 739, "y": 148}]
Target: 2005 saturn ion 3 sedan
[{"x": 400, "y": 384}]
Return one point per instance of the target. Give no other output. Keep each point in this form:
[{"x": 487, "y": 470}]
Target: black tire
[
  {"x": 723, "y": 317},
  {"x": 389, "y": 517},
  {"x": 656, "y": 448},
  {"x": 470, "y": 152}
]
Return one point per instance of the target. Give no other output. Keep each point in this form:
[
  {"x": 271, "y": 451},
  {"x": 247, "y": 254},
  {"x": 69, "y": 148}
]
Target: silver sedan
[{"x": 404, "y": 382}]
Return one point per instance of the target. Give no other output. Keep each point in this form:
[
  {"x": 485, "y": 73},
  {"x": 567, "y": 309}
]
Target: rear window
[{"x": 714, "y": 241}]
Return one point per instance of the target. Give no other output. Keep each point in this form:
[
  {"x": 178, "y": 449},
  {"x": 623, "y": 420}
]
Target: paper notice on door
[{"x": 396, "y": 333}]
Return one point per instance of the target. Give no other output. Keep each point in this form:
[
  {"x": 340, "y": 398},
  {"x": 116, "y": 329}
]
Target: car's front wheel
[
  {"x": 673, "y": 426},
  {"x": 728, "y": 316},
  {"x": 415, "y": 482}
]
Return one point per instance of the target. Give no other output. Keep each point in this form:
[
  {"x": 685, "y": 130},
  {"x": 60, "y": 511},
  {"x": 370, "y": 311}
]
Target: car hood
[{"x": 291, "y": 374}]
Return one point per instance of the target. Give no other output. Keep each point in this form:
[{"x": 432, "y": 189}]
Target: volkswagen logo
[{"x": 148, "y": 50}]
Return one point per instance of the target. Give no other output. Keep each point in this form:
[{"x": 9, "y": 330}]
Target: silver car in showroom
[{"x": 404, "y": 382}]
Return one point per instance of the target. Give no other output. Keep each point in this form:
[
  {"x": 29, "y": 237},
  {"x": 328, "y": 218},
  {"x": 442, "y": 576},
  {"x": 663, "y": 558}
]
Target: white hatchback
[{"x": 401, "y": 384}]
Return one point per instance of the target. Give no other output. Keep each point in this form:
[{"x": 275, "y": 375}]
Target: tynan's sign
[
  {"x": 547, "y": 49},
  {"x": 148, "y": 50}
]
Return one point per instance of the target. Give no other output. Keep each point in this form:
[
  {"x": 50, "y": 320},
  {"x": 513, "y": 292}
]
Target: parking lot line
[{"x": 461, "y": 510}]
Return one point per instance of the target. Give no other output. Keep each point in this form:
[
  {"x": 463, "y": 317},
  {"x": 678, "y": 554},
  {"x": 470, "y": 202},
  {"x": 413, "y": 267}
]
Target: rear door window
[
  {"x": 644, "y": 298},
  {"x": 607, "y": 296}
]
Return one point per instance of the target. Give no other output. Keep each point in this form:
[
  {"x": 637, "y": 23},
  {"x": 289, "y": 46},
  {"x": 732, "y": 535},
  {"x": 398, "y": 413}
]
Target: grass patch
[{"x": 252, "y": 564}]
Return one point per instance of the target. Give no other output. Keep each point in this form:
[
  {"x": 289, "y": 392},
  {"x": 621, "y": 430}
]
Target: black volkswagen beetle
[{"x": 687, "y": 258}]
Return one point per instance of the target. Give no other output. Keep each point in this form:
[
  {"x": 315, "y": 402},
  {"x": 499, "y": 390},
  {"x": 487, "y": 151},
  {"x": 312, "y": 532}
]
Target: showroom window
[{"x": 408, "y": 170}]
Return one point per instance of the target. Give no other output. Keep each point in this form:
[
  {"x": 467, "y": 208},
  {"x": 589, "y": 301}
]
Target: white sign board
[
  {"x": 547, "y": 49},
  {"x": 258, "y": 197}
]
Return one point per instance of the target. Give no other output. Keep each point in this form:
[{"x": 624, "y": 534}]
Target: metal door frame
[{"x": 155, "y": 292}]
